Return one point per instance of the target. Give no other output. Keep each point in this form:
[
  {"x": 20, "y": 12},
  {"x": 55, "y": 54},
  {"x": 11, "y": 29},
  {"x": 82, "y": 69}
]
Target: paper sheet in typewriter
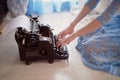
[{"x": 20, "y": 21}]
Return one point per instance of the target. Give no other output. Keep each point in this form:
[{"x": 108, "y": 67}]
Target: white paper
[{"x": 20, "y": 21}]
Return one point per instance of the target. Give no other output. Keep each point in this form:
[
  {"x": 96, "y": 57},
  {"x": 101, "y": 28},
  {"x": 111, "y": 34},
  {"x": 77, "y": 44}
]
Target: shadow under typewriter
[{"x": 39, "y": 43}]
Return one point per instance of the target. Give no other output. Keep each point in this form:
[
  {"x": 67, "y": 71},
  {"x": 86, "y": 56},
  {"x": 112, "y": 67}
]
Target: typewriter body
[{"x": 39, "y": 43}]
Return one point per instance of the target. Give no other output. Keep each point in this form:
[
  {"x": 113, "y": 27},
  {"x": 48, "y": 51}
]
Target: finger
[
  {"x": 63, "y": 44},
  {"x": 58, "y": 36},
  {"x": 58, "y": 44},
  {"x": 61, "y": 35}
]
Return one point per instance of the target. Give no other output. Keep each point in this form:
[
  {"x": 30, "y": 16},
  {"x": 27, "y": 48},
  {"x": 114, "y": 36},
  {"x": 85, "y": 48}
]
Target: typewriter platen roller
[{"x": 39, "y": 43}]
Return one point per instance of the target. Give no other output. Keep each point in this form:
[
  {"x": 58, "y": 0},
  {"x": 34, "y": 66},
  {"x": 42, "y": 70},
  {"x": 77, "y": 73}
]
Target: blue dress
[{"x": 100, "y": 50}]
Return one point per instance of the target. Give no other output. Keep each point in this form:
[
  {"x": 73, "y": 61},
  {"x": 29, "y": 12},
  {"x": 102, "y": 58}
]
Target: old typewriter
[{"x": 38, "y": 43}]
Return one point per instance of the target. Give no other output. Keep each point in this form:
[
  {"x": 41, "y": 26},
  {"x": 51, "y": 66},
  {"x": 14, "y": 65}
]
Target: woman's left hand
[{"x": 63, "y": 41}]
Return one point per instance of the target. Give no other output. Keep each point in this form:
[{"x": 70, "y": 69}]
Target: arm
[
  {"x": 89, "y": 6},
  {"x": 86, "y": 9},
  {"x": 90, "y": 27},
  {"x": 95, "y": 24},
  {"x": 100, "y": 20}
]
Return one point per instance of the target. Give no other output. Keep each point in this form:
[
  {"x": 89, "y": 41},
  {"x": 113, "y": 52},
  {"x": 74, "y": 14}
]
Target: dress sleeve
[
  {"x": 109, "y": 11},
  {"x": 92, "y": 3}
]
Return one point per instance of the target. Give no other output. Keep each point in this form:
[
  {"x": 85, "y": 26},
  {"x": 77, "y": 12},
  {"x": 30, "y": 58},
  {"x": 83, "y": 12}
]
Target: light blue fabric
[
  {"x": 34, "y": 7},
  {"x": 92, "y": 3},
  {"x": 100, "y": 49},
  {"x": 109, "y": 12},
  {"x": 50, "y": 6}
]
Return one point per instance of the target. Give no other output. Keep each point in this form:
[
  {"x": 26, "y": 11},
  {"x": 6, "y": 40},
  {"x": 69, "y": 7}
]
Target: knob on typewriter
[
  {"x": 22, "y": 31},
  {"x": 32, "y": 41}
]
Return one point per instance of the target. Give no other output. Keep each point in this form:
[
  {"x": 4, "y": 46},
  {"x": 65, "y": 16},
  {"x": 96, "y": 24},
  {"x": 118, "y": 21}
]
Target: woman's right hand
[{"x": 65, "y": 32}]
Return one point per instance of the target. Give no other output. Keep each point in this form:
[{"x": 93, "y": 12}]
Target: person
[{"x": 98, "y": 41}]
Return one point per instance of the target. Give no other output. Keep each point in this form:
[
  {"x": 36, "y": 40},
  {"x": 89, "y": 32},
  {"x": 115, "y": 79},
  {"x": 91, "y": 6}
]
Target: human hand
[
  {"x": 65, "y": 32},
  {"x": 63, "y": 41}
]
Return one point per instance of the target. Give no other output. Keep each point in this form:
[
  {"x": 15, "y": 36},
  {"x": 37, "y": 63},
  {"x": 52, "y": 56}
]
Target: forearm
[
  {"x": 89, "y": 6},
  {"x": 100, "y": 20},
  {"x": 81, "y": 15},
  {"x": 95, "y": 24}
]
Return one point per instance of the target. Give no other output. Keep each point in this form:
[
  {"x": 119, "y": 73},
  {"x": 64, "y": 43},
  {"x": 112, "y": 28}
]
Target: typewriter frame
[{"x": 39, "y": 43}]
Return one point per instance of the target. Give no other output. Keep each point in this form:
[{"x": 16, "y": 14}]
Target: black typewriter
[{"x": 38, "y": 43}]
